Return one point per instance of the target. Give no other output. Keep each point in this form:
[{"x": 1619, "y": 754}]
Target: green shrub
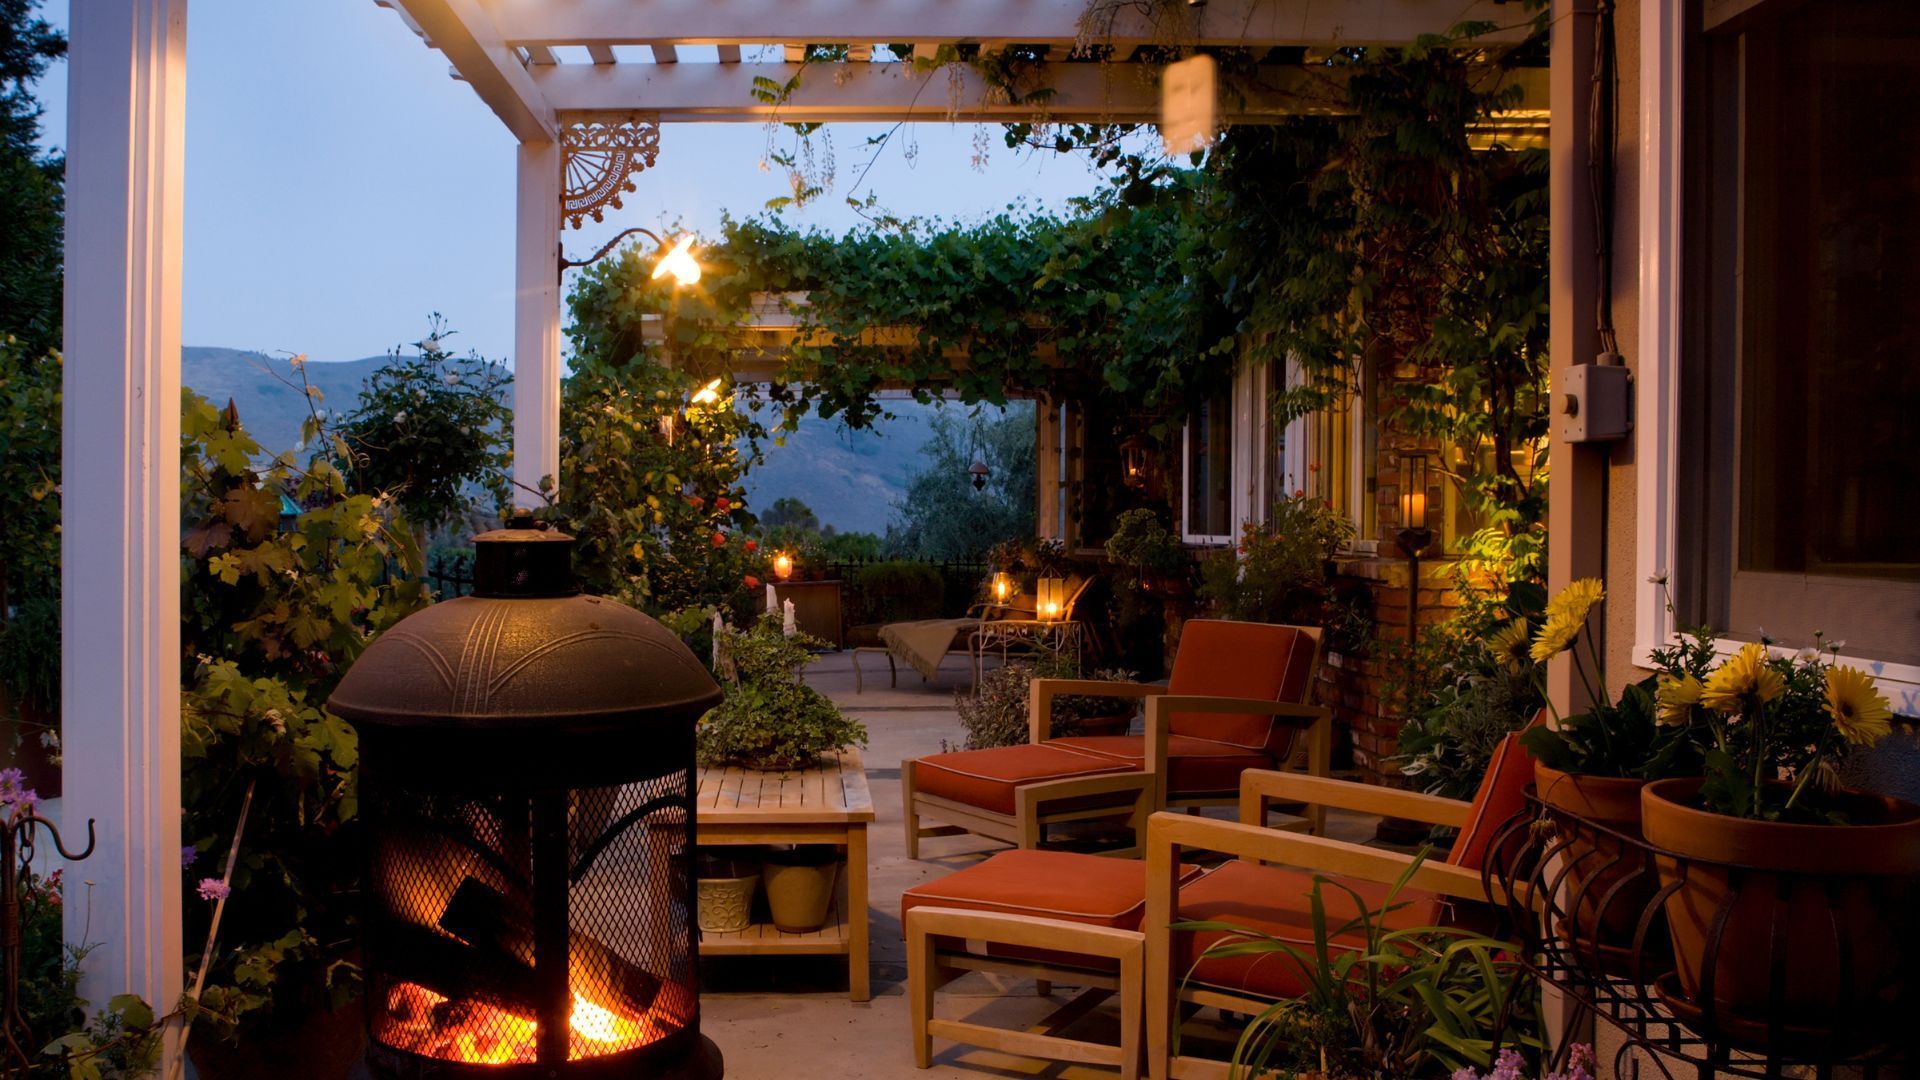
[
  {"x": 997, "y": 714},
  {"x": 1281, "y": 574},
  {"x": 771, "y": 719},
  {"x": 897, "y": 592}
]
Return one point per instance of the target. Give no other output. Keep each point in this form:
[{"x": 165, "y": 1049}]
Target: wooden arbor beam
[
  {"x": 890, "y": 91},
  {"x": 1324, "y": 23}
]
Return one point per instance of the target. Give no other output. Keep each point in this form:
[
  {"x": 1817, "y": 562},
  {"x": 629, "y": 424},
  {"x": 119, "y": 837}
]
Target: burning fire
[{"x": 429, "y": 1024}]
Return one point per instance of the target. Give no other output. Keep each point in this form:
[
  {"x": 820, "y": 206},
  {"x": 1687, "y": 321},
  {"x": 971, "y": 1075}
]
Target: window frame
[{"x": 1663, "y": 283}]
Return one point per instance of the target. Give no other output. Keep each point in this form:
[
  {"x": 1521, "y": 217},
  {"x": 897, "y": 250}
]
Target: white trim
[
  {"x": 1662, "y": 100},
  {"x": 1187, "y": 535},
  {"x": 120, "y": 521},
  {"x": 536, "y": 322}
]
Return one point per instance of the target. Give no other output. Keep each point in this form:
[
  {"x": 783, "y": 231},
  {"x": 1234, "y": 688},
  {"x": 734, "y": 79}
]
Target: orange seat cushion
[
  {"x": 1502, "y": 793},
  {"x": 1274, "y": 901},
  {"x": 1221, "y": 658},
  {"x": 987, "y": 778},
  {"x": 1065, "y": 885},
  {"x": 1195, "y": 767}
]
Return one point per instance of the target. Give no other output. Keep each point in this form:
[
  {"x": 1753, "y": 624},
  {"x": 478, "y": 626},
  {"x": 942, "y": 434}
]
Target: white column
[
  {"x": 536, "y": 323},
  {"x": 120, "y": 537}
]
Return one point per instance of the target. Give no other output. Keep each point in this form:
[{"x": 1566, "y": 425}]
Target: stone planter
[
  {"x": 1789, "y": 935},
  {"x": 800, "y": 887},
  {"x": 723, "y": 895}
]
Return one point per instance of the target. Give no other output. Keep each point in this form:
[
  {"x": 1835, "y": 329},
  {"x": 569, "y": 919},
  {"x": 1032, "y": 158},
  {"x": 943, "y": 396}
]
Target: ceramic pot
[
  {"x": 1808, "y": 927},
  {"x": 1608, "y": 884},
  {"x": 800, "y": 887},
  {"x": 724, "y": 894}
]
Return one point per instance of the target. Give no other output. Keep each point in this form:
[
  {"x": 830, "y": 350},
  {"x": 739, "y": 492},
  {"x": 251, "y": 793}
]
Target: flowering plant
[
  {"x": 1512, "y": 1066},
  {"x": 1622, "y": 738}
]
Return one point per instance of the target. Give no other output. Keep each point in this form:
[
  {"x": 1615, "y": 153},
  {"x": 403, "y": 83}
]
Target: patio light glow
[
  {"x": 783, "y": 566},
  {"x": 1052, "y": 597},
  {"x": 679, "y": 262},
  {"x": 1002, "y": 588},
  {"x": 707, "y": 394}
]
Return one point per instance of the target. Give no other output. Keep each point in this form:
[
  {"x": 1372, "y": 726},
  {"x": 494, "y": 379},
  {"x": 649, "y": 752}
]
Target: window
[
  {"x": 1207, "y": 487},
  {"x": 1796, "y": 466}
]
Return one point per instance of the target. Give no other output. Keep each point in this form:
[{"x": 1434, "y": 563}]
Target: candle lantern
[
  {"x": 1413, "y": 493},
  {"x": 979, "y": 472},
  {"x": 783, "y": 566},
  {"x": 1052, "y": 597},
  {"x": 1138, "y": 461},
  {"x": 1002, "y": 588}
]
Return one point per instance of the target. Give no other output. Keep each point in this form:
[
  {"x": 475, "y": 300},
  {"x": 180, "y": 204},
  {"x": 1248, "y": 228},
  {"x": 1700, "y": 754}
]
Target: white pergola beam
[
  {"x": 885, "y": 92},
  {"x": 1218, "y": 22},
  {"x": 462, "y": 32},
  {"x": 120, "y": 511}
]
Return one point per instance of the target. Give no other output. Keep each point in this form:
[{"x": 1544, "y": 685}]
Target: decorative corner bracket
[{"x": 598, "y": 159}]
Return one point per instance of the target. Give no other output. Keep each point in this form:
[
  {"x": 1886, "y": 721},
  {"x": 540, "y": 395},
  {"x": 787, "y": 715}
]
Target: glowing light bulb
[
  {"x": 708, "y": 394},
  {"x": 679, "y": 262},
  {"x": 783, "y": 566}
]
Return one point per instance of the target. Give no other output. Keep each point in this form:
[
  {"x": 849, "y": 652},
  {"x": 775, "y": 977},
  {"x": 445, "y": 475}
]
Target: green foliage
[
  {"x": 995, "y": 713},
  {"x": 429, "y": 427},
  {"x": 30, "y": 403},
  {"x": 1422, "y": 1001},
  {"x": 31, "y": 200},
  {"x": 1474, "y": 686},
  {"x": 897, "y": 591},
  {"x": 771, "y": 719},
  {"x": 650, "y": 481},
  {"x": 943, "y": 516},
  {"x": 120, "y": 1042},
  {"x": 1143, "y": 543},
  {"x": 1281, "y": 575},
  {"x": 271, "y": 619}
]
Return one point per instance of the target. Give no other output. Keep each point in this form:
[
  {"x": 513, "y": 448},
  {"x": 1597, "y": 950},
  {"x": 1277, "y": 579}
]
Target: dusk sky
[{"x": 340, "y": 186}]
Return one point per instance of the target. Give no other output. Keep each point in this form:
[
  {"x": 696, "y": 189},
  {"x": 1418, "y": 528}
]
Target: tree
[
  {"x": 943, "y": 516},
  {"x": 30, "y": 194},
  {"x": 431, "y": 428},
  {"x": 788, "y": 512}
]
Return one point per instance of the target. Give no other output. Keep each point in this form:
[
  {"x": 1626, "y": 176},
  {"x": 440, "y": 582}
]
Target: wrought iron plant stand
[
  {"x": 16, "y": 856},
  {"x": 1589, "y": 904}
]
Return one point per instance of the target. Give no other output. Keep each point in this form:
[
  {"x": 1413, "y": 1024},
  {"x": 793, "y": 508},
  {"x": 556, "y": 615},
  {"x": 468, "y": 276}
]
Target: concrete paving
[{"x": 789, "y": 1018}]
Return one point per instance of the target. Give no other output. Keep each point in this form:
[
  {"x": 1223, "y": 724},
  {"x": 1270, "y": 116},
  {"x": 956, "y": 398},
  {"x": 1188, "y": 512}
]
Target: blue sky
[{"x": 340, "y": 186}]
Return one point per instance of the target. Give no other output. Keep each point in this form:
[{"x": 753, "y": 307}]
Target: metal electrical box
[{"x": 1595, "y": 403}]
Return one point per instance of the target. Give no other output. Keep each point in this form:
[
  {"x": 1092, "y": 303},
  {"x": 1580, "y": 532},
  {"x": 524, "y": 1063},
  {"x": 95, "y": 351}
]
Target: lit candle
[
  {"x": 783, "y": 566},
  {"x": 1002, "y": 588},
  {"x": 1413, "y": 510}
]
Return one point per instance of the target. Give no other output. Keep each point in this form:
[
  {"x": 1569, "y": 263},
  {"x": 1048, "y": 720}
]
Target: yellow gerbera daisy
[
  {"x": 1744, "y": 680},
  {"x": 1675, "y": 699},
  {"x": 1577, "y": 600},
  {"x": 1510, "y": 645},
  {"x": 1857, "y": 707},
  {"x": 1555, "y": 637}
]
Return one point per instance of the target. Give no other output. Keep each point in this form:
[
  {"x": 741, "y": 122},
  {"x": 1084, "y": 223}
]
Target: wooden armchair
[
  {"x": 1266, "y": 889},
  {"x": 1236, "y": 700}
]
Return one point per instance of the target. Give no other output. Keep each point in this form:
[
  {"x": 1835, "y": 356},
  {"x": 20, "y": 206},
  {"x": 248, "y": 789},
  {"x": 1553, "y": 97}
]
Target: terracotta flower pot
[
  {"x": 1607, "y": 884},
  {"x": 1807, "y": 926},
  {"x": 800, "y": 887}
]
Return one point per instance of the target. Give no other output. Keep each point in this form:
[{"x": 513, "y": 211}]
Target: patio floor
[{"x": 790, "y": 1017}]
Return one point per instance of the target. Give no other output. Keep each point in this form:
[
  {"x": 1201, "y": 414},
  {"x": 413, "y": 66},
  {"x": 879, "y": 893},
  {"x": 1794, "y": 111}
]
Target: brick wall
[{"x": 1360, "y": 687}]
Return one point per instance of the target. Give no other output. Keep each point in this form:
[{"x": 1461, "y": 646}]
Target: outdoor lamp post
[{"x": 1415, "y": 535}]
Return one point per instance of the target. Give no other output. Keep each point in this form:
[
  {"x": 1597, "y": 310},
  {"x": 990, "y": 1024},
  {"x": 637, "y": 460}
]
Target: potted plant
[
  {"x": 1159, "y": 561},
  {"x": 770, "y": 718},
  {"x": 1593, "y": 765},
  {"x": 1791, "y": 894},
  {"x": 995, "y": 713},
  {"x": 799, "y": 881}
]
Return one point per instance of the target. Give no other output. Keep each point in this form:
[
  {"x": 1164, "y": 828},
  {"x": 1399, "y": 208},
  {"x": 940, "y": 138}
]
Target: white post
[
  {"x": 536, "y": 323},
  {"x": 120, "y": 535}
]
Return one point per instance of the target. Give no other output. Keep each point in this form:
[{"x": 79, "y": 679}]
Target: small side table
[
  {"x": 827, "y": 804},
  {"x": 816, "y": 608}
]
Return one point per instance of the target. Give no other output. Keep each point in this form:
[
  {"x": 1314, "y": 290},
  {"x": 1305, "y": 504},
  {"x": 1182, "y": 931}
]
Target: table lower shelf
[{"x": 766, "y": 938}]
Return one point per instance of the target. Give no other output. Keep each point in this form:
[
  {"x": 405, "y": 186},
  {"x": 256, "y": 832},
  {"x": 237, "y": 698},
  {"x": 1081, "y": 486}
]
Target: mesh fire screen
[{"x": 530, "y": 928}]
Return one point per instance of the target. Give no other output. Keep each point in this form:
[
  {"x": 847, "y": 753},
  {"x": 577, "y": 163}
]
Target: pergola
[{"x": 582, "y": 86}]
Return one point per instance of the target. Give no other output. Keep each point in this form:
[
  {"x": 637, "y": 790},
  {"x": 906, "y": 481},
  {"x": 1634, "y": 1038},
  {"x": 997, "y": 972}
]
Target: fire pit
[{"x": 526, "y": 782}]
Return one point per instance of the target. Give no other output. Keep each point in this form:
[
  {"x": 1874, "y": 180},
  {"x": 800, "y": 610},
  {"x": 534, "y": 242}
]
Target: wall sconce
[
  {"x": 1139, "y": 461},
  {"x": 679, "y": 262},
  {"x": 1002, "y": 588},
  {"x": 707, "y": 395},
  {"x": 1052, "y": 599},
  {"x": 978, "y": 470},
  {"x": 783, "y": 566}
]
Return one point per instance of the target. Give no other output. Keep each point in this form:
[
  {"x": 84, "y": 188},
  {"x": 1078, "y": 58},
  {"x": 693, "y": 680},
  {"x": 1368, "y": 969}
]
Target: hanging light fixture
[
  {"x": 979, "y": 471},
  {"x": 679, "y": 262},
  {"x": 706, "y": 395},
  {"x": 1139, "y": 461}
]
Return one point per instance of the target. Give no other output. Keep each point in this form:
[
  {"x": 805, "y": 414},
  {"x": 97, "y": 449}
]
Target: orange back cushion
[
  {"x": 1503, "y": 791},
  {"x": 1219, "y": 658}
]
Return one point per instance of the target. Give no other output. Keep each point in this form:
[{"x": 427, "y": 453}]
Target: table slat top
[{"x": 833, "y": 790}]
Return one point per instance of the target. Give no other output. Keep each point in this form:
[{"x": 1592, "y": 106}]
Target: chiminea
[{"x": 526, "y": 781}]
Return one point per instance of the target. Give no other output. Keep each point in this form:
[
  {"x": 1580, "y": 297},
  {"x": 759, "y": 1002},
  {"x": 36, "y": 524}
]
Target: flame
[{"x": 427, "y": 1023}]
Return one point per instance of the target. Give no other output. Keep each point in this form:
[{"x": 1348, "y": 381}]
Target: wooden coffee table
[{"x": 827, "y": 804}]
